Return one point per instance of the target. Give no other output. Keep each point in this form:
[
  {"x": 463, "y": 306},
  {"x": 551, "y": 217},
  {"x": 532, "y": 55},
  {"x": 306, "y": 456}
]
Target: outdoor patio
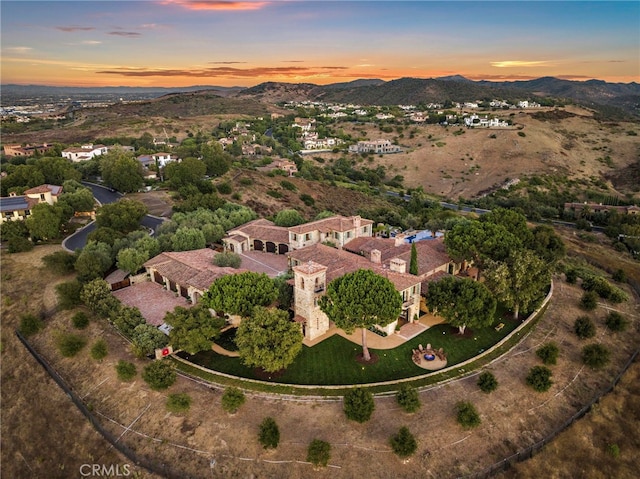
[{"x": 151, "y": 299}]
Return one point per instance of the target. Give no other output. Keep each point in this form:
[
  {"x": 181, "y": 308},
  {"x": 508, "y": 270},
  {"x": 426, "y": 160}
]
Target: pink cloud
[{"x": 216, "y": 4}]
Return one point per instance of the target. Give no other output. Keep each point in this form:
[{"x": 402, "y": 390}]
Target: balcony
[
  {"x": 319, "y": 288},
  {"x": 408, "y": 303}
]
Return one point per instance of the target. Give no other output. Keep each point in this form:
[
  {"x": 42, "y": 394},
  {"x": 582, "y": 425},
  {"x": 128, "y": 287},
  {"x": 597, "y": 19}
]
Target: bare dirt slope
[
  {"x": 513, "y": 417},
  {"x": 457, "y": 161}
]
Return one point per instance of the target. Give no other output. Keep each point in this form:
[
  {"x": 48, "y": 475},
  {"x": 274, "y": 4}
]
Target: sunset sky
[{"x": 198, "y": 42}]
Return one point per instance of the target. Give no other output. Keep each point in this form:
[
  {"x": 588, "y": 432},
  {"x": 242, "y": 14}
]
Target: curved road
[{"x": 104, "y": 196}]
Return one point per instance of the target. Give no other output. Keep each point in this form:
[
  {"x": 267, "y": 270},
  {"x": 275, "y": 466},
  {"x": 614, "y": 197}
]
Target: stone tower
[{"x": 310, "y": 283}]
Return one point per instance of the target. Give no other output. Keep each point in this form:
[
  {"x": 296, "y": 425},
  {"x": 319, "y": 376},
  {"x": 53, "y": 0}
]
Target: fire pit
[{"x": 429, "y": 357}]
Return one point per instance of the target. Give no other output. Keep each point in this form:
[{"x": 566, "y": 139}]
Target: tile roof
[
  {"x": 54, "y": 189},
  {"x": 340, "y": 262},
  {"x": 264, "y": 230},
  {"x": 191, "y": 268},
  {"x": 333, "y": 223}
]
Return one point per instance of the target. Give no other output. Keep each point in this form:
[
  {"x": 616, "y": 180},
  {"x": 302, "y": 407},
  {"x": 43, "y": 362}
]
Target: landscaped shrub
[
  {"x": 227, "y": 259},
  {"x": 595, "y": 356},
  {"x": 125, "y": 370},
  {"x": 616, "y": 322},
  {"x": 80, "y": 320},
  {"x": 403, "y": 443},
  {"x": 487, "y": 382},
  {"x": 584, "y": 327},
  {"x": 159, "y": 375},
  {"x": 539, "y": 378},
  {"x": 70, "y": 344},
  {"x": 319, "y": 453},
  {"x": 408, "y": 398},
  {"x": 359, "y": 404},
  {"x": 224, "y": 188},
  {"x": 179, "y": 402},
  {"x": 571, "y": 275},
  {"x": 232, "y": 399},
  {"x": 466, "y": 415},
  {"x": 30, "y": 324},
  {"x": 69, "y": 294},
  {"x": 604, "y": 289},
  {"x": 60, "y": 262},
  {"x": 269, "y": 434},
  {"x": 620, "y": 276},
  {"x": 548, "y": 353},
  {"x": 99, "y": 350},
  {"x": 589, "y": 301}
]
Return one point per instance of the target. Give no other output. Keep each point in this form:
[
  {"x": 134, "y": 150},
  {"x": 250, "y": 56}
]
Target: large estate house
[
  {"x": 381, "y": 147},
  {"x": 317, "y": 253}
]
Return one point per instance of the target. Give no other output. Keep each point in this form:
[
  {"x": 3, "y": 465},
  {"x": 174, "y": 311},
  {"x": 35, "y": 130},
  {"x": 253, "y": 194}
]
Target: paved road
[{"x": 104, "y": 196}]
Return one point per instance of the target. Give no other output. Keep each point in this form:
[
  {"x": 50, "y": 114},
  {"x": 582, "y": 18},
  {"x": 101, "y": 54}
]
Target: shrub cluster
[
  {"x": 584, "y": 327},
  {"x": 70, "y": 344},
  {"x": 408, "y": 398},
  {"x": 487, "y": 382},
  {"x": 30, "y": 324},
  {"x": 539, "y": 378},
  {"x": 232, "y": 399},
  {"x": 179, "y": 402},
  {"x": 595, "y": 356},
  {"x": 125, "y": 370},
  {"x": 319, "y": 453},
  {"x": 269, "y": 434},
  {"x": 80, "y": 320},
  {"x": 99, "y": 350},
  {"x": 403, "y": 443},
  {"x": 466, "y": 415},
  {"x": 604, "y": 289},
  {"x": 359, "y": 404},
  {"x": 159, "y": 375},
  {"x": 616, "y": 322},
  {"x": 548, "y": 353}
]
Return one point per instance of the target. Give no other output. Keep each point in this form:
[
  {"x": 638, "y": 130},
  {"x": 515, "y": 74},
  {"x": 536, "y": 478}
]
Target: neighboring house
[
  {"x": 598, "y": 207},
  {"x": 285, "y": 165},
  {"x": 484, "y": 122},
  {"x": 161, "y": 159},
  {"x": 187, "y": 273},
  {"x": 304, "y": 124},
  {"x": 14, "y": 207},
  {"x": 84, "y": 152},
  {"x": 377, "y": 146},
  {"x": 316, "y": 266},
  {"x": 27, "y": 150}
]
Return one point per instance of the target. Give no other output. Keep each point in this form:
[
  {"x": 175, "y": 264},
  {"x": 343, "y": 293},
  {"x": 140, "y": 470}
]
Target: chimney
[
  {"x": 398, "y": 265},
  {"x": 356, "y": 222},
  {"x": 376, "y": 256},
  {"x": 400, "y": 239}
]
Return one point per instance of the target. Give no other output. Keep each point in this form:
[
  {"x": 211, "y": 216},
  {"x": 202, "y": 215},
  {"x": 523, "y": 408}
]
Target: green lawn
[{"x": 333, "y": 361}]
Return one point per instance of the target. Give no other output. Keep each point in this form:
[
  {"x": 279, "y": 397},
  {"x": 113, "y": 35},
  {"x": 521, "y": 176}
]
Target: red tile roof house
[
  {"x": 187, "y": 273},
  {"x": 317, "y": 265}
]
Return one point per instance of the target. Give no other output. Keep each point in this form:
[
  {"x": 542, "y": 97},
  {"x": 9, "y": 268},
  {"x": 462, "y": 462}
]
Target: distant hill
[{"x": 621, "y": 99}]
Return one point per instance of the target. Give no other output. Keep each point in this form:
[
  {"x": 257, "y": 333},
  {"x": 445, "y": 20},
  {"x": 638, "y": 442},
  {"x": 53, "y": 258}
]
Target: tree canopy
[
  {"x": 288, "y": 218},
  {"x": 519, "y": 281},
  {"x": 359, "y": 300},
  {"x": 193, "y": 329},
  {"x": 44, "y": 222},
  {"x": 123, "y": 215},
  {"x": 121, "y": 171},
  {"x": 239, "y": 293},
  {"x": 268, "y": 339},
  {"x": 93, "y": 261},
  {"x": 462, "y": 302}
]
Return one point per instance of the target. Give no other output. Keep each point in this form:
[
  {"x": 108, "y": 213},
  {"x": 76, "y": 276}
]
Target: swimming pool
[{"x": 422, "y": 235}]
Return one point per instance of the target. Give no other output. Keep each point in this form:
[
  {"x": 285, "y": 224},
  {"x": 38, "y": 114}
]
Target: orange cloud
[
  {"x": 225, "y": 72},
  {"x": 216, "y": 4}
]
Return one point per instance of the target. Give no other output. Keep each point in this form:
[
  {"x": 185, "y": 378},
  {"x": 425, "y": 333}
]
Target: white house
[
  {"x": 376, "y": 146},
  {"x": 84, "y": 152}
]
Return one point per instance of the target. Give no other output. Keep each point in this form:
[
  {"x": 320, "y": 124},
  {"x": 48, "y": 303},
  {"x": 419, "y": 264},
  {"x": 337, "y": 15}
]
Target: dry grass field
[{"x": 45, "y": 436}]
